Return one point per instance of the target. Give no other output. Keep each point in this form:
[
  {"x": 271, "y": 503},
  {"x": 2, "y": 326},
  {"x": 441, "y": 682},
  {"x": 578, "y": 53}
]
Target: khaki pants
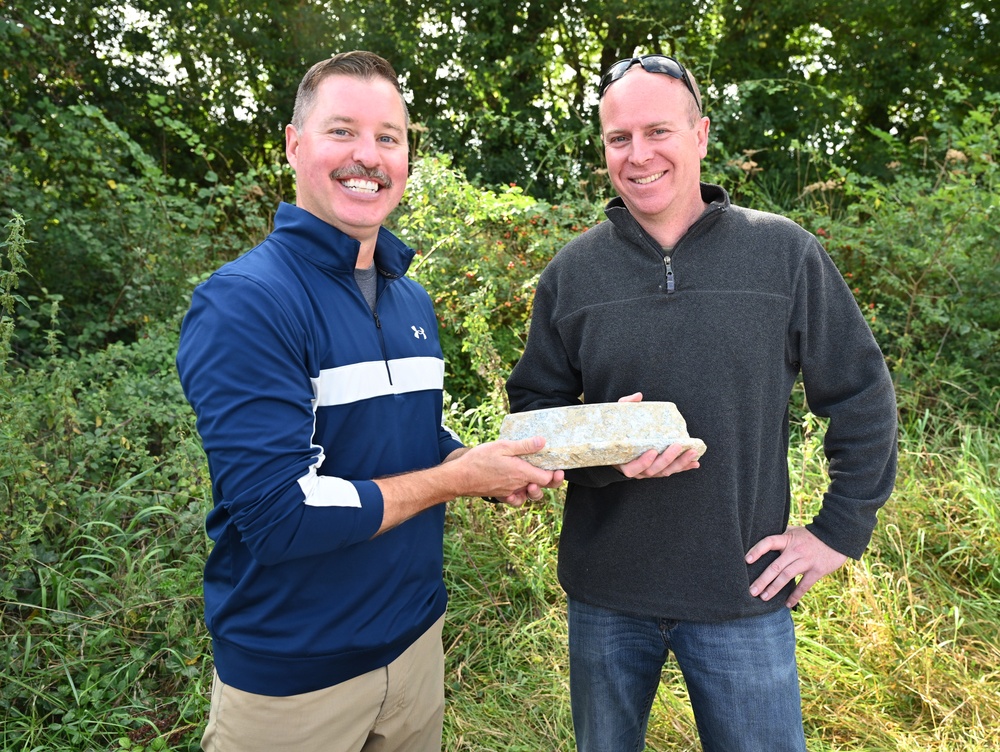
[{"x": 396, "y": 708}]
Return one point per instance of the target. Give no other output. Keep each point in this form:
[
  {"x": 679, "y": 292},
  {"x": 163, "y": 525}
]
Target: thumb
[
  {"x": 635, "y": 397},
  {"x": 527, "y": 446}
]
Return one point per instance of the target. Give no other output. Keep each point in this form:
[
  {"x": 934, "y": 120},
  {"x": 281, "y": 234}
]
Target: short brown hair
[{"x": 357, "y": 63}]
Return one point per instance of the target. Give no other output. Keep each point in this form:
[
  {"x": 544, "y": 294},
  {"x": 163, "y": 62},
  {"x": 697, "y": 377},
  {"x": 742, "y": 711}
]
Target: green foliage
[
  {"x": 102, "y": 505},
  {"x": 827, "y": 77},
  {"x": 126, "y": 190},
  {"x": 115, "y": 236},
  {"x": 227, "y": 70},
  {"x": 919, "y": 250},
  {"x": 102, "y": 501},
  {"x": 480, "y": 253},
  {"x": 13, "y": 256},
  {"x": 507, "y": 88},
  {"x": 923, "y": 256},
  {"x": 892, "y": 647}
]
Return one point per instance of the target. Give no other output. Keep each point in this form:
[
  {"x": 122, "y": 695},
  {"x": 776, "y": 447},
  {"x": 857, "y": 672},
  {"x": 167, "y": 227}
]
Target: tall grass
[{"x": 899, "y": 650}]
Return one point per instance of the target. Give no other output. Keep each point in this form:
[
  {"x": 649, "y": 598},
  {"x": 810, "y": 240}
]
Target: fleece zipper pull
[{"x": 669, "y": 272}]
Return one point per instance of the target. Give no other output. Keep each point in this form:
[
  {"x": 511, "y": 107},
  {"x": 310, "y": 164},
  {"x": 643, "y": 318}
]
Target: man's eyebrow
[
  {"x": 390, "y": 126},
  {"x": 667, "y": 123},
  {"x": 347, "y": 120}
]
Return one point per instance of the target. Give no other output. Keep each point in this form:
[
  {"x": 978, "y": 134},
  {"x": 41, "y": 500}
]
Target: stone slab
[{"x": 607, "y": 433}]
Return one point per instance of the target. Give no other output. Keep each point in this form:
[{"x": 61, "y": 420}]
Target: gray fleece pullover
[{"x": 721, "y": 325}]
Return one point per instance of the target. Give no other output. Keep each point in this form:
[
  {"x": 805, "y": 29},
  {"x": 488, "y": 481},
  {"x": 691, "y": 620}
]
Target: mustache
[{"x": 359, "y": 171}]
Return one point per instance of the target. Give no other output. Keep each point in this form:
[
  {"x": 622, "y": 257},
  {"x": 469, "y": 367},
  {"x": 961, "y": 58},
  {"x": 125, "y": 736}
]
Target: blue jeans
[{"x": 741, "y": 678}]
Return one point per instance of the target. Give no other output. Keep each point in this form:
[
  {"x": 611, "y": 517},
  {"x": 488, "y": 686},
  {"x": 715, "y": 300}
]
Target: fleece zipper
[{"x": 668, "y": 272}]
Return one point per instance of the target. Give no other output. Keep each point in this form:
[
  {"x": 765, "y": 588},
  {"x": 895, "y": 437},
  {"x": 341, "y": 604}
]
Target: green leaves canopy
[{"x": 507, "y": 88}]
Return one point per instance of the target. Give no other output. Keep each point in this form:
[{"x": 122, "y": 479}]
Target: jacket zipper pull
[
  {"x": 378, "y": 322},
  {"x": 670, "y": 274}
]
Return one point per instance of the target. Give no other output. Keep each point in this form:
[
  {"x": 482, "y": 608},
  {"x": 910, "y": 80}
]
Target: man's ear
[
  {"x": 702, "y": 132},
  {"x": 291, "y": 145}
]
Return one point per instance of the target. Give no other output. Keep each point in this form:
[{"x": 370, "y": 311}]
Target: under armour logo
[{"x": 418, "y": 332}]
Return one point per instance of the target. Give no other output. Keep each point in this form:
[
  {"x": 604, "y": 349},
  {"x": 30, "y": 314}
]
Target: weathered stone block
[{"x": 609, "y": 433}]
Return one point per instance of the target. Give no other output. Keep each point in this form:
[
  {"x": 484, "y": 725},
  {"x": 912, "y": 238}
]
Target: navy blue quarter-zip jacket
[{"x": 303, "y": 395}]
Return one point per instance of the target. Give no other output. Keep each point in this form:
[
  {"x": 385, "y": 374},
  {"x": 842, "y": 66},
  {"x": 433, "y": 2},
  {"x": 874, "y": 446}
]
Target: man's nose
[
  {"x": 366, "y": 151},
  {"x": 639, "y": 151}
]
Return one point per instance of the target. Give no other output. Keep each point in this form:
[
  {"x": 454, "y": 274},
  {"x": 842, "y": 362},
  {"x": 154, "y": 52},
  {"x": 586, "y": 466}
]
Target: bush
[
  {"x": 103, "y": 493},
  {"x": 479, "y": 254},
  {"x": 101, "y": 549},
  {"x": 115, "y": 236},
  {"x": 922, "y": 254},
  {"x": 923, "y": 257}
]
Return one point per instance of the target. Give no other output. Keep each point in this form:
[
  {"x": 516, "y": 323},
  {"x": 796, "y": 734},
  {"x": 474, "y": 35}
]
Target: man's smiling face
[
  {"x": 654, "y": 141},
  {"x": 350, "y": 156}
]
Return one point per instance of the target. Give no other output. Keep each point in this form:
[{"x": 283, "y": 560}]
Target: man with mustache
[{"x": 314, "y": 368}]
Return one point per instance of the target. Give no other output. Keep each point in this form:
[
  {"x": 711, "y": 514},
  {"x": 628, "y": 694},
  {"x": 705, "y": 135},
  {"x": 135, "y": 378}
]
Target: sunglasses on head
[{"x": 650, "y": 64}]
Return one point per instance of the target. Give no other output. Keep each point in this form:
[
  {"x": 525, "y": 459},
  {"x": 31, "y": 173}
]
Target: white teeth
[
  {"x": 650, "y": 179},
  {"x": 357, "y": 184}
]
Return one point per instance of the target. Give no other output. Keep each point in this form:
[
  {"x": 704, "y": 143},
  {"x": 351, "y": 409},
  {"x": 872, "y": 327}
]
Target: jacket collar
[
  {"x": 323, "y": 244},
  {"x": 714, "y": 195}
]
